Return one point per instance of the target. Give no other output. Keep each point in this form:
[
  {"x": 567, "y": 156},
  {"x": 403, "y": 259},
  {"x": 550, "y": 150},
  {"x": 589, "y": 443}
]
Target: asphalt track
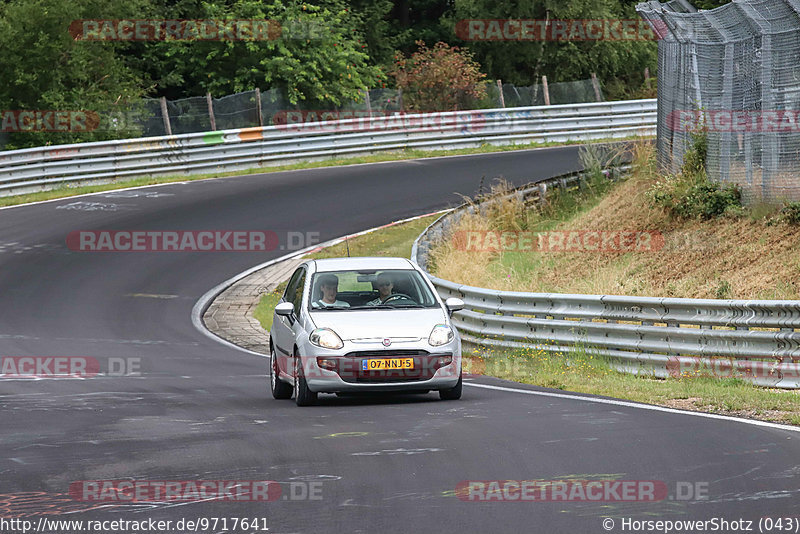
[{"x": 202, "y": 411}]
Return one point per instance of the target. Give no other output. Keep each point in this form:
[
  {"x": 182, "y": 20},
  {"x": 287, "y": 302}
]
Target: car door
[{"x": 283, "y": 334}]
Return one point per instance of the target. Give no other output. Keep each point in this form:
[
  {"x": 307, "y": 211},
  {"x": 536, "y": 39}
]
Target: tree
[
  {"x": 441, "y": 78},
  {"x": 44, "y": 68},
  {"x": 320, "y": 59},
  {"x": 524, "y": 62}
]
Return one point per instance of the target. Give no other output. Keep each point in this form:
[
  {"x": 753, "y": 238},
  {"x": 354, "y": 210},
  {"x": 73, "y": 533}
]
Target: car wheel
[
  {"x": 280, "y": 389},
  {"x": 302, "y": 395},
  {"x": 453, "y": 393}
]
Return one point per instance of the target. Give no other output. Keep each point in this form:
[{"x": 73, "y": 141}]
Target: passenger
[{"x": 329, "y": 285}]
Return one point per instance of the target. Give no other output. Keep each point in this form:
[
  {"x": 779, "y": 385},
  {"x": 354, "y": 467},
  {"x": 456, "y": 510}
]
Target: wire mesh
[
  {"x": 144, "y": 117},
  {"x": 733, "y": 72}
]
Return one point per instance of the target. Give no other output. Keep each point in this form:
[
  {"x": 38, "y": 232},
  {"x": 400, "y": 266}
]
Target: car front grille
[{"x": 425, "y": 366}]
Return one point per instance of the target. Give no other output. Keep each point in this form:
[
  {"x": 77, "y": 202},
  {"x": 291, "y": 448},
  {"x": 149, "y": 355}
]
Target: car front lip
[{"x": 351, "y": 377}]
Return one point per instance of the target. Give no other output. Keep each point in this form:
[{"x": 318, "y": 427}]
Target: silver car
[{"x": 363, "y": 324}]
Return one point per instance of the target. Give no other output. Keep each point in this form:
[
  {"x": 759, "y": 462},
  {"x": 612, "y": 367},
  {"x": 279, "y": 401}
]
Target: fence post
[
  {"x": 546, "y": 90},
  {"x": 366, "y": 99},
  {"x": 596, "y": 85},
  {"x": 647, "y": 77},
  {"x": 400, "y": 98},
  {"x": 165, "y": 115},
  {"x": 258, "y": 107},
  {"x": 211, "y": 112},
  {"x": 500, "y": 90}
]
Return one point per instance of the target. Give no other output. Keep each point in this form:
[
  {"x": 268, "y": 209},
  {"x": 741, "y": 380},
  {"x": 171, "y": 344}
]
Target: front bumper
[{"x": 430, "y": 368}]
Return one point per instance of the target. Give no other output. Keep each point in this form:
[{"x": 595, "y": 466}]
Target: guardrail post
[
  {"x": 165, "y": 115},
  {"x": 211, "y": 112},
  {"x": 366, "y": 99}
]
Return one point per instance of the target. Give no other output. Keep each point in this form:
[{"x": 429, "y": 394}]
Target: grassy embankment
[
  {"x": 712, "y": 248},
  {"x": 690, "y": 245}
]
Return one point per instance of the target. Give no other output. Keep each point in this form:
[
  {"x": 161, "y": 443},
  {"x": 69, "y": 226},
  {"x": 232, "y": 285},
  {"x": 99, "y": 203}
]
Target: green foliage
[
  {"x": 690, "y": 194},
  {"x": 709, "y": 4},
  {"x": 320, "y": 58},
  {"x": 619, "y": 64},
  {"x": 788, "y": 214},
  {"x": 723, "y": 290},
  {"x": 45, "y": 69},
  {"x": 441, "y": 78}
]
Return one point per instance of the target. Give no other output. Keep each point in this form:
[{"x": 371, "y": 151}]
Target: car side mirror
[
  {"x": 453, "y": 304},
  {"x": 285, "y": 309}
]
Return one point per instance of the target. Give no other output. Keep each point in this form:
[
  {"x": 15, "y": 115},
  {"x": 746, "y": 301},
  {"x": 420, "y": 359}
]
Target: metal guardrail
[
  {"x": 36, "y": 169},
  {"x": 756, "y": 340}
]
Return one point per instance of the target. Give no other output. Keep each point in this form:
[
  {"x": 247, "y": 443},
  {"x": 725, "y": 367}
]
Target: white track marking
[{"x": 628, "y": 404}]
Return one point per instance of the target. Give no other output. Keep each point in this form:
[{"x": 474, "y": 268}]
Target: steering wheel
[{"x": 398, "y": 296}]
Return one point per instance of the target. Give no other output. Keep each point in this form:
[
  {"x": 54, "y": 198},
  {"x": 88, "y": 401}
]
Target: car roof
[{"x": 347, "y": 264}]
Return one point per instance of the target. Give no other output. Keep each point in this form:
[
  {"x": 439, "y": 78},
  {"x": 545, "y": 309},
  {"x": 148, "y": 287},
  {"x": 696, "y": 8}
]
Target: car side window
[
  {"x": 291, "y": 287},
  {"x": 297, "y": 297}
]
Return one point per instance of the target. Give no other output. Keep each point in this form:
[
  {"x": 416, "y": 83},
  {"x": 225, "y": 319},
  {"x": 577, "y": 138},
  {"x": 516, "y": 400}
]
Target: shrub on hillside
[{"x": 690, "y": 194}]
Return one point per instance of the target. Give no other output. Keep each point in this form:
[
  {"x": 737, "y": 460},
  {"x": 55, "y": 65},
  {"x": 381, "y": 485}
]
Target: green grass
[
  {"x": 585, "y": 372},
  {"x": 265, "y": 306},
  {"x": 72, "y": 190},
  {"x": 393, "y": 241}
]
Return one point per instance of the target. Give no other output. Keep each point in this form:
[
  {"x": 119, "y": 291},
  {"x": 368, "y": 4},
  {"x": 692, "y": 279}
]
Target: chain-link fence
[
  {"x": 576, "y": 92},
  {"x": 158, "y": 117},
  {"x": 733, "y": 72}
]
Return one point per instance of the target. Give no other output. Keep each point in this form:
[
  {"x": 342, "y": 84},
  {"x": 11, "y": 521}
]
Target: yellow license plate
[{"x": 387, "y": 364}]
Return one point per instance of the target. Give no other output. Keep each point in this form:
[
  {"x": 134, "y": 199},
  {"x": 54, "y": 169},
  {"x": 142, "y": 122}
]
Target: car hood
[{"x": 379, "y": 324}]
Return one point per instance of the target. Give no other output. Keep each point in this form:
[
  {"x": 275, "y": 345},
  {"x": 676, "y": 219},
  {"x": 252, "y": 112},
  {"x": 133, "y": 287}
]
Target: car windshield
[{"x": 370, "y": 290}]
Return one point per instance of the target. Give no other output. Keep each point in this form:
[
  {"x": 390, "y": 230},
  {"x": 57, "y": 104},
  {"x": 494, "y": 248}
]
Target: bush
[
  {"x": 690, "y": 194},
  {"x": 790, "y": 213}
]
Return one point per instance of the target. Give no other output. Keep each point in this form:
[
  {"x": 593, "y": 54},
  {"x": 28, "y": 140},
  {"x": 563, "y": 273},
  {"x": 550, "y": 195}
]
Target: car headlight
[
  {"x": 440, "y": 335},
  {"x": 326, "y": 338}
]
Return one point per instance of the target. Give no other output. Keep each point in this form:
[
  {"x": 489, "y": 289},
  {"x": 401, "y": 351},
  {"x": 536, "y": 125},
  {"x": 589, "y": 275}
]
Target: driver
[{"x": 385, "y": 287}]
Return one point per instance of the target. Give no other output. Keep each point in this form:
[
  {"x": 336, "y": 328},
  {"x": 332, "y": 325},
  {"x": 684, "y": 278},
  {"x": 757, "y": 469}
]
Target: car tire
[
  {"x": 280, "y": 389},
  {"x": 302, "y": 395},
  {"x": 453, "y": 393}
]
